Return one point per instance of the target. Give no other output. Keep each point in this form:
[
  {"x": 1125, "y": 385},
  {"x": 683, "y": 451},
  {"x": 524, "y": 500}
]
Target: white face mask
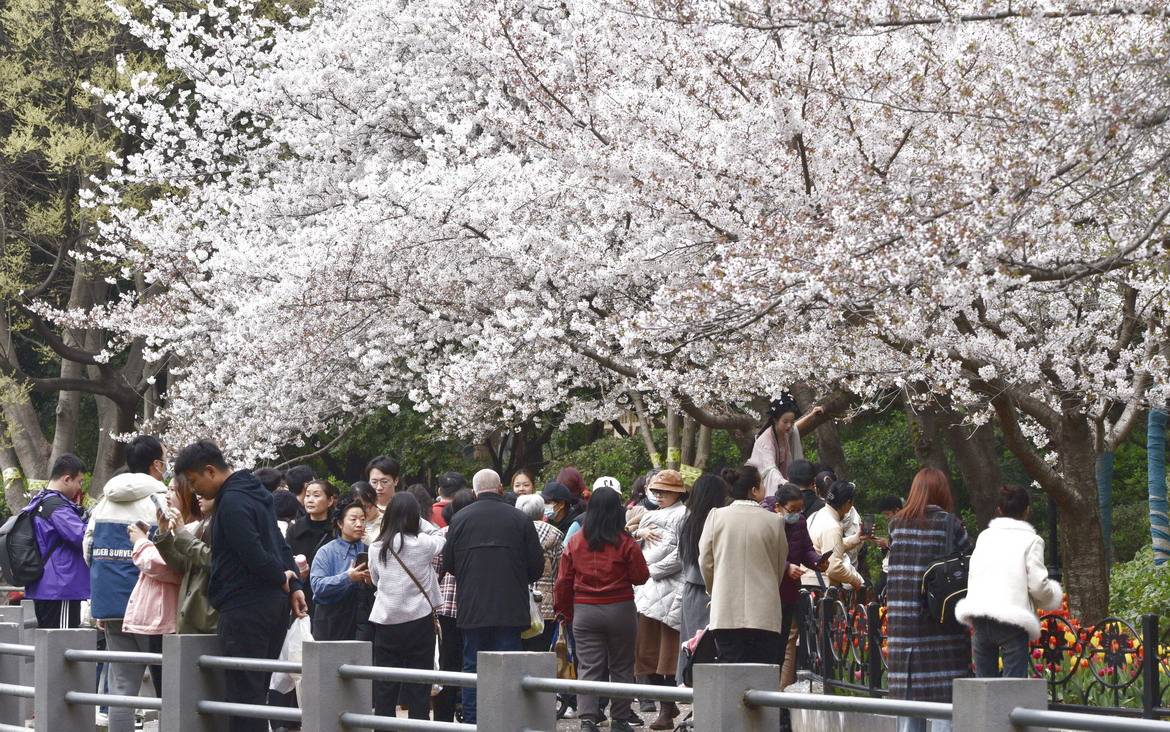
[
  {"x": 651, "y": 498},
  {"x": 549, "y": 511}
]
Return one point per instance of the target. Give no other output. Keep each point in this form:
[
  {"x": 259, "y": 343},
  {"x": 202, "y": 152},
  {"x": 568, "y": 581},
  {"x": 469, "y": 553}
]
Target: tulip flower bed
[{"x": 1103, "y": 667}]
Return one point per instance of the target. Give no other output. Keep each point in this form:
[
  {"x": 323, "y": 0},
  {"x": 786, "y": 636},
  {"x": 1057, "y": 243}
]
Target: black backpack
[
  {"x": 944, "y": 582},
  {"x": 20, "y": 557}
]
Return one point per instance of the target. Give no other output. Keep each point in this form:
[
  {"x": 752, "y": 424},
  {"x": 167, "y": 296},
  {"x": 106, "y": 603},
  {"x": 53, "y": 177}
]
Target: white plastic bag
[
  {"x": 300, "y": 631},
  {"x": 535, "y": 622}
]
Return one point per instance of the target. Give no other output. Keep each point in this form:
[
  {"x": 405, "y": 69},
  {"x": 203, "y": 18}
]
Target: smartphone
[
  {"x": 362, "y": 558},
  {"x": 143, "y": 525},
  {"x": 826, "y": 555},
  {"x": 867, "y": 525}
]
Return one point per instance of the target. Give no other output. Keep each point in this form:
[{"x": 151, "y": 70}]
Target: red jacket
[
  {"x": 598, "y": 578},
  {"x": 437, "y": 512}
]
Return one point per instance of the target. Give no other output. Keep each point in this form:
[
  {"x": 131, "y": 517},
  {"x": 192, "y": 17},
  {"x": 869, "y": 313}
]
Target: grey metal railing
[{"x": 516, "y": 692}]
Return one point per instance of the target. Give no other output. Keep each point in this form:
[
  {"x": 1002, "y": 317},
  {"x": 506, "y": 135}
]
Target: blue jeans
[
  {"x": 483, "y": 639},
  {"x": 994, "y": 640}
]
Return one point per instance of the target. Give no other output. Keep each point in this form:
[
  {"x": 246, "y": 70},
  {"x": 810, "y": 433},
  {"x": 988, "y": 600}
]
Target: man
[
  {"x": 132, "y": 496},
  {"x": 253, "y": 580},
  {"x": 295, "y": 479},
  {"x": 449, "y": 484},
  {"x": 803, "y": 475},
  {"x": 59, "y": 525},
  {"x": 494, "y": 553}
]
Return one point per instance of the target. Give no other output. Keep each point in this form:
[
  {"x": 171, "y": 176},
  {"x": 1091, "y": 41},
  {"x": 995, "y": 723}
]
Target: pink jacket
[{"x": 155, "y": 600}]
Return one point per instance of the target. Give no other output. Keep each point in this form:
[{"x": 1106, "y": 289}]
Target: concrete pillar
[
  {"x": 55, "y": 676},
  {"x": 18, "y": 614},
  {"x": 324, "y": 694},
  {"x": 502, "y": 705},
  {"x": 185, "y": 684},
  {"x": 983, "y": 705},
  {"x": 10, "y": 706},
  {"x": 719, "y": 690}
]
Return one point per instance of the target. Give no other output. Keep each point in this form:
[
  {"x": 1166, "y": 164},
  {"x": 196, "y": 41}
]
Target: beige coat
[
  {"x": 826, "y": 532},
  {"x": 742, "y": 554}
]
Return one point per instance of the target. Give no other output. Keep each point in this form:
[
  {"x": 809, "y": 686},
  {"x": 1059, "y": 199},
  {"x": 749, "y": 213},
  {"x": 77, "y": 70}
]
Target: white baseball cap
[{"x": 607, "y": 481}]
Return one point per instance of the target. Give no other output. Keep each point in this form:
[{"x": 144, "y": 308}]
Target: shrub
[
  {"x": 1131, "y": 530},
  {"x": 1138, "y": 587}
]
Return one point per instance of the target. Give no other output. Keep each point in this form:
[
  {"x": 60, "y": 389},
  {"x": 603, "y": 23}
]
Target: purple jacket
[
  {"x": 66, "y": 574},
  {"x": 800, "y": 551}
]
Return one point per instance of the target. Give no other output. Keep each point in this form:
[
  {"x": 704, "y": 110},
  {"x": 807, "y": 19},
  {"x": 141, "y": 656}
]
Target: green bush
[
  {"x": 1138, "y": 587},
  {"x": 1131, "y": 530}
]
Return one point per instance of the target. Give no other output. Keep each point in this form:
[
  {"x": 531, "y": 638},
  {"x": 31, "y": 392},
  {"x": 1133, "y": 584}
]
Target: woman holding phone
[{"x": 339, "y": 574}]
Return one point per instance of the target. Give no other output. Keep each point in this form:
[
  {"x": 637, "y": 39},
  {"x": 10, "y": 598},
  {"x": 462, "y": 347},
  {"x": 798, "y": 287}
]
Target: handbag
[{"x": 944, "y": 582}]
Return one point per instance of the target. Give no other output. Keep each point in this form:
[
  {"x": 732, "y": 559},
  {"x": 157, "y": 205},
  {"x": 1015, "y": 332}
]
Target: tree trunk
[
  {"x": 703, "y": 448},
  {"x": 69, "y": 402},
  {"x": 673, "y": 439},
  {"x": 1082, "y": 546},
  {"x": 829, "y": 449},
  {"x": 928, "y": 433},
  {"x": 688, "y": 440},
  {"x": 1103, "y": 474},
  {"x": 28, "y": 441},
  {"x": 645, "y": 429},
  {"x": 1156, "y": 478},
  {"x": 111, "y": 454},
  {"x": 14, "y": 485},
  {"x": 977, "y": 458}
]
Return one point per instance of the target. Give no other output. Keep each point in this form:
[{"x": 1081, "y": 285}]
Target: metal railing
[{"x": 516, "y": 692}]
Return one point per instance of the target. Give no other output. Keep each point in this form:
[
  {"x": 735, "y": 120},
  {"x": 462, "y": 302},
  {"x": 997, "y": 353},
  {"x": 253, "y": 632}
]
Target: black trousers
[
  {"x": 450, "y": 659},
  {"x": 58, "y": 614},
  {"x": 253, "y": 631},
  {"x": 748, "y": 645},
  {"x": 404, "y": 645}
]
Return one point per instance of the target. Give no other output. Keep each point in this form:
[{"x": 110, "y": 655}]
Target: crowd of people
[{"x": 632, "y": 584}]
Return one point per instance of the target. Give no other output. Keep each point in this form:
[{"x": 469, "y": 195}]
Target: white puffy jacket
[
  {"x": 1008, "y": 580},
  {"x": 661, "y": 597}
]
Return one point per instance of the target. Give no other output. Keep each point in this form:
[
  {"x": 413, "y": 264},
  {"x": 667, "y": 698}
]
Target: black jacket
[
  {"x": 306, "y": 536},
  {"x": 249, "y": 555},
  {"x": 494, "y": 553},
  {"x": 812, "y": 502}
]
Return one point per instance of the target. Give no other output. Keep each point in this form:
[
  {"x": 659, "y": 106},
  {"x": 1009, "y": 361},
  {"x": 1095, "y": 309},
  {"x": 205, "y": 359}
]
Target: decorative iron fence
[{"x": 1114, "y": 667}]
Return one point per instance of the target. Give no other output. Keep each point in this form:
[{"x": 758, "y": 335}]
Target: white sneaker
[
  {"x": 101, "y": 718},
  {"x": 570, "y": 713}
]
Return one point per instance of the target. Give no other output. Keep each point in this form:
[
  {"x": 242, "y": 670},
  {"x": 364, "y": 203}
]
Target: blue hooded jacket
[
  {"x": 249, "y": 555},
  {"x": 126, "y": 498}
]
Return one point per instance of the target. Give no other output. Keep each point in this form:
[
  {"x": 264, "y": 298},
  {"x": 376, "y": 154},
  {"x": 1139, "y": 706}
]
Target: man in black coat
[
  {"x": 254, "y": 579},
  {"x": 494, "y": 553}
]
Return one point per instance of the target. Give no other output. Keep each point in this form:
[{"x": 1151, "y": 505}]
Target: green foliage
[
  {"x": 1137, "y": 587},
  {"x": 1131, "y": 530}
]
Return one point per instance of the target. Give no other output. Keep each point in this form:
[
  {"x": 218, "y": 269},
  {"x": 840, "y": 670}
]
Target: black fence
[{"x": 1115, "y": 667}]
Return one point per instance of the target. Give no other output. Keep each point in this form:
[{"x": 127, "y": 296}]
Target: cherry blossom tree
[{"x": 497, "y": 210}]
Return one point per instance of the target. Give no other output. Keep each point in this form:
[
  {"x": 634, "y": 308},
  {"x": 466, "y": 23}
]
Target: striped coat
[{"x": 924, "y": 657}]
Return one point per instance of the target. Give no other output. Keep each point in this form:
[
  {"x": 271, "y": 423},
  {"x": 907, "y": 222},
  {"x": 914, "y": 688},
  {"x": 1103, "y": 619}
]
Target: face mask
[
  {"x": 549, "y": 511},
  {"x": 652, "y": 499},
  {"x": 791, "y": 518}
]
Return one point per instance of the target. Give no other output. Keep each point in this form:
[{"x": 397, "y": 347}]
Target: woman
[
  {"x": 364, "y": 493},
  {"x": 550, "y": 542},
  {"x": 594, "y": 592},
  {"x": 709, "y": 493},
  {"x": 337, "y": 577},
  {"x": 187, "y": 550},
  {"x": 1007, "y": 584},
  {"x": 425, "y": 503},
  {"x": 742, "y": 554},
  {"x": 310, "y": 532},
  {"x": 451, "y": 644},
  {"x": 659, "y": 601},
  {"x": 154, "y": 601},
  {"x": 405, "y": 602},
  {"x": 924, "y": 657},
  {"x": 826, "y": 529},
  {"x": 790, "y": 505},
  {"x": 778, "y": 442},
  {"x": 523, "y": 483}
]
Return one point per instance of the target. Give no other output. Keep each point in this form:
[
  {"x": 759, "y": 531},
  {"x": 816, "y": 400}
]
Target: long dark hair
[
  {"x": 709, "y": 492},
  {"x": 777, "y": 409},
  {"x": 401, "y": 519},
  {"x": 605, "y": 520}
]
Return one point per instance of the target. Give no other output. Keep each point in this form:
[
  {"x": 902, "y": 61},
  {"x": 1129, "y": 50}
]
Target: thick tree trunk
[
  {"x": 928, "y": 434},
  {"x": 28, "y": 441},
  {"x": 673, "y": 439},
  {"x": 689, "y": 433},
  {"x": 977, "y": 458},
  {"x": 67, "y": 413},
  {"x": 13, "y": 477},
  {"x": 829, "y": 449},
  {"x": 645, "y": 427},
  {"x": 703, "y": 448},
  {"x": 1082, "y": 546},
  {"x": 111, "y": 454}
]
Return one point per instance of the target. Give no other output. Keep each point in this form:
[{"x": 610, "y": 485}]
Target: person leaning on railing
[
  {"x": 827, "y": 532},
  {"x": 1008, "y": 581}
]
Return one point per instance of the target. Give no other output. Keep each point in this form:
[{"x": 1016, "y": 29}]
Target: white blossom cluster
[{"x": 493, "y": 209}]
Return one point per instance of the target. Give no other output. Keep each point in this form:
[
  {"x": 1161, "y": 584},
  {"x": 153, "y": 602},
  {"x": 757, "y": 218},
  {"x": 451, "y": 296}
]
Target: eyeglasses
[{"x": 383, "y": 482}]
